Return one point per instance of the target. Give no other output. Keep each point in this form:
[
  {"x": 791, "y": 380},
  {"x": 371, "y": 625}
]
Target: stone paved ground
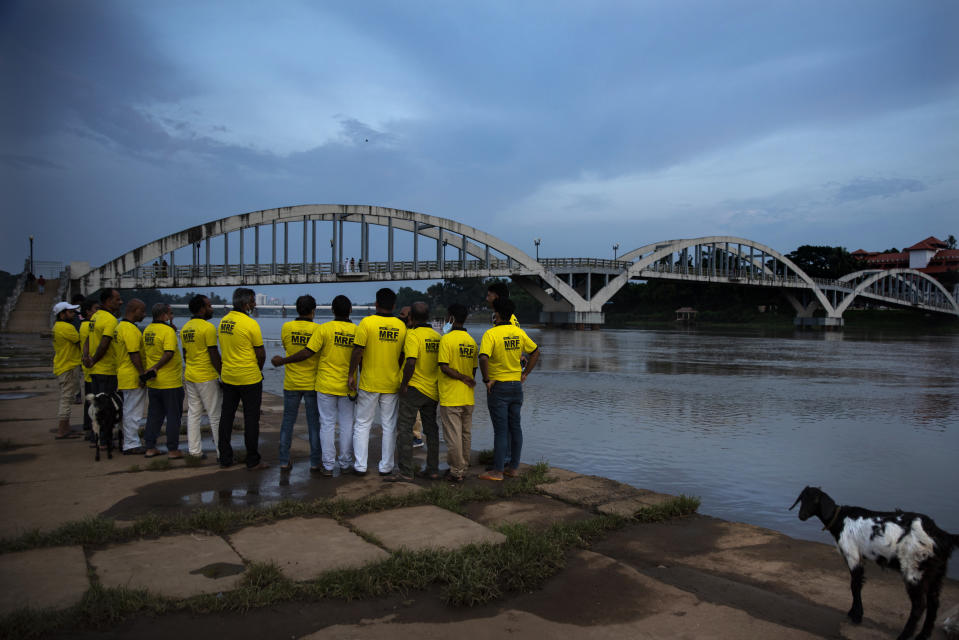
[{"x": 695, "y": 577}]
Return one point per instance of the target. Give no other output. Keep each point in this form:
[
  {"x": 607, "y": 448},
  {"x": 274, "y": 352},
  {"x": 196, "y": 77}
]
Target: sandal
[{"x": 151, "y": 453}]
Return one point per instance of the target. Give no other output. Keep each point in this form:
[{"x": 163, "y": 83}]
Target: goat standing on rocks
[{"x": 909, "y": 542}]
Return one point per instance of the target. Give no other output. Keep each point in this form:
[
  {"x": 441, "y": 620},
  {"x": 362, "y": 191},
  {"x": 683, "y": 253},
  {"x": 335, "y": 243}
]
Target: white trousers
[
  {"x": 366, "y": 404},
  {"x": 134, "y": 401},
  {"x": 333, "y": 410},
  {"x": 202, "y": 397}
]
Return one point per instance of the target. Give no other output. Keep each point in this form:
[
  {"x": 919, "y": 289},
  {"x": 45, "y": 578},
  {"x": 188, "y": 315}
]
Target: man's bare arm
[
  {"x": 260, "y": 356},
  {"x": 408, "y": 369},
  {"x": 299, "y": 356},
  {"x": 101, "y": 349},
  {"x": 215, "y": 358},
  {"x": 355, "y": 359},
  {"x": 456, "y": 375}
]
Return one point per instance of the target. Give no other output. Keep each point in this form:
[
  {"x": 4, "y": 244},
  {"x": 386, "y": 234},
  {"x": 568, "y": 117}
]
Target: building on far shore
[{"x": 931, "y": 256}]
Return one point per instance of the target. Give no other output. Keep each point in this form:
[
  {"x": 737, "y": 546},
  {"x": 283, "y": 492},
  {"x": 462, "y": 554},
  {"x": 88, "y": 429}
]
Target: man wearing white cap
[{"x": 66, "y": 359}]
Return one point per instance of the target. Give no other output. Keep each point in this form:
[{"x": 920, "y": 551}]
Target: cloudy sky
[{"x": 583, "y": 123}]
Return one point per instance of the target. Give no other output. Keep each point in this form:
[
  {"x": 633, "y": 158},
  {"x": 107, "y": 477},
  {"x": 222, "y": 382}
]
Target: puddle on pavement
[
  {"x": 219, "y": 570},
  {"x": 16, "y": 396}
]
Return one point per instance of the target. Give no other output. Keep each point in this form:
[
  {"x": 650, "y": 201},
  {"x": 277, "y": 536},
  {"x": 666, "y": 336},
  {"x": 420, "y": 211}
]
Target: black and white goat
[
  {"x": 909, "y": 542},
  {"x": 106, "y": 414}
]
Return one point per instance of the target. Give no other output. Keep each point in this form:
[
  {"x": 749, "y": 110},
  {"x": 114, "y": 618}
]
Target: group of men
[{"x": 344, "y": 373}]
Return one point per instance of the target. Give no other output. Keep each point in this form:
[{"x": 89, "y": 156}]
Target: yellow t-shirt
[
  {"x": 503, "y": 345},
  {"x": 239, "y": 334},
  {"x": 459, "y": 351},
  {"x": 84, "y": 332},
  {"x": 423, "y": 343},
  {"x": 159, "y": 338},
  {"x": 382, "y": 338},
  {"x": 197, "y": 336},
  {"x": 295, "y": 335},
  {"x": 332, "y": 342},
  {"x": 127, "y": 339},
  {"x": 66, "y": 347},
  {"x": 103, "y": 323}
]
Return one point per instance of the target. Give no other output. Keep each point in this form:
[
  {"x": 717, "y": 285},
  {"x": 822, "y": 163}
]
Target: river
[{"x": 744, "y": 420}]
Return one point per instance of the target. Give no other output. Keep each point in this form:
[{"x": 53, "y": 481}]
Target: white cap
[{"x": 63, "y": 306}]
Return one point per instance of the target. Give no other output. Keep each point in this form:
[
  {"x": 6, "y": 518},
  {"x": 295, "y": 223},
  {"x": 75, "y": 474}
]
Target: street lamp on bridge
[
  {"x": 615, "y": 249},
  {"x": 536, "y": 241}
]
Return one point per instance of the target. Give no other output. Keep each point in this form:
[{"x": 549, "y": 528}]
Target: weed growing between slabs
[{"x": 469, "y": 576}]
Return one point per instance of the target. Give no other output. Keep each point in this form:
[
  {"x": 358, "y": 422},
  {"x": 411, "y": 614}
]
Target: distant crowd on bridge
[{"x": 344, "y": 373}]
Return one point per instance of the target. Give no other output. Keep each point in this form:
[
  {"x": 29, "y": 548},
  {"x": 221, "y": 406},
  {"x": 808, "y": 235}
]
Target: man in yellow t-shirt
[
  {"x": 299, "y": 382},
  {"x": 97, "y": 351},
  {"x": 87, "y": 309},
  {"x": 66, "y": 358},
  {"x": 378, "y": 345},
  {"x": 332, "y": 344},
  {"x": 457, "y": 378},
  {"x": 128, "y": 354},
  {"x": 418, "y": 393},
  {"x": 164, "y": 378},
  {"x": 201, "y": 382},
  {"x": 499, "y": 359},
  {"x": 242, "y": 355}
]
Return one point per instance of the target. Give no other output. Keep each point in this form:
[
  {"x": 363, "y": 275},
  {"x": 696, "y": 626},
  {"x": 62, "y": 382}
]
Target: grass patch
[
  {"x": 485, "y": 456},
  {"x": 159, "y": 465},
  {"x": 678, "y": 507},
  {"x": 134, "y": 468}
]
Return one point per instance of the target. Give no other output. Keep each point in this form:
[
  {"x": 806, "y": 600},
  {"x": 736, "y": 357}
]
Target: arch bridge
[{"x": 255, "y": 249}]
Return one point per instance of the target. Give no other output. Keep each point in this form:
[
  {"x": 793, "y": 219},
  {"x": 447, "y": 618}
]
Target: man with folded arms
[
  {"x": 128, "y": 352},
  {"x": 378, "y": 345},
  {"x": 200, "y": 383},
  {"x": 418, "y": 393},
  {"x": 243, "y": 355},
  {"x": 164, "y": 378}
]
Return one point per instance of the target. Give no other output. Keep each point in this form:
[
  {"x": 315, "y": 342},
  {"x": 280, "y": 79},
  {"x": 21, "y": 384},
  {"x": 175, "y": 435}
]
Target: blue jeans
[
  {"x": 504, "y": 403},
  {"x": 291, "y": 408}
]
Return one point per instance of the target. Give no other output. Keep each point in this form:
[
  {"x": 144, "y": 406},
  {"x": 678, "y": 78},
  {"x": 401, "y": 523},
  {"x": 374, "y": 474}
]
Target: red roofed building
[{"x": 929, "y": 256}]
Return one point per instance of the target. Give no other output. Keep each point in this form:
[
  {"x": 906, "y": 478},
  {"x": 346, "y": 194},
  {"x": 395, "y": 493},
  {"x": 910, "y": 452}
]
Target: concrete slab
[
  {"x": 539, "y": 512},
  {"x": 176, "y": 567},
  {"x": 425, "y": 527},
  {"x": 627, "y": 508},
  {"x": 591, "y": 491},
  {"x": 372, "y": 484},
  {"x": 557, "y": 474},
  {"x": 303, "y": 548},
  {"x": 54, "y": 578}
]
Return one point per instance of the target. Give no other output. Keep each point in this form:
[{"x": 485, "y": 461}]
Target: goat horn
[{"x": 795, "y": 503}]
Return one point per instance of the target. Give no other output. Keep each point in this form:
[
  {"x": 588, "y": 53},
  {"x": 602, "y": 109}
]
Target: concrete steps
[{"x": 32, "y": 313}]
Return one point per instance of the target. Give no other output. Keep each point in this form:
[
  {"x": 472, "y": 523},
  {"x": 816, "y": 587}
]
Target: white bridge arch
[{"x": 571, "y": 290}]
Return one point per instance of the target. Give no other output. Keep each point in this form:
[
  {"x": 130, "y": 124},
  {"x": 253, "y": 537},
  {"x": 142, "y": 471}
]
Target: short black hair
[
  {"x": 86, "y": 305},
  {"x": 305, "y": 304},
  {"x": 499, "y": 288},
  {"x": 458, "y": 311},
  {"x": 505, "y": 308},
  {"x": 106, "y": 294},
  {"x": 242, "y": 297},
  {"x": 197, "y": 303},
  {"x": 77, "y": 298},
  {"x": 419, "y": 312},
  {"x": 341, "y": 306},
  {"x": 386, "y": 298}
]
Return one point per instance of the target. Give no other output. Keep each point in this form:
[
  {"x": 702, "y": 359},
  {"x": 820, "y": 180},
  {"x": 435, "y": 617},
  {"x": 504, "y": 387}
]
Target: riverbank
[{"x": 551, "y": 552}]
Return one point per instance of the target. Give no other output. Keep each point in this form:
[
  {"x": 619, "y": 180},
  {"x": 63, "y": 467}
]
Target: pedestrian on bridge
[
  {"x": 375, "y": 375},
  {"x": 243, "y": 355}
]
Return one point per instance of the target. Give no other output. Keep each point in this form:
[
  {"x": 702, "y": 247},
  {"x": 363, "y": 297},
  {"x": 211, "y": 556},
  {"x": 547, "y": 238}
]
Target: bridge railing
[{"x": 564, "y": 264}]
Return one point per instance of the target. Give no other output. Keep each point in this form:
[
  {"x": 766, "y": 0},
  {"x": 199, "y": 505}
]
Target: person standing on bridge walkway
[
  {"x": 378, "y": 345},
  {"x": 299, "y": 382},
  {"x": 243, "y": 355},
  {"x": 332, "y": 344},
  {"x": 97, "y": 352},
  {"x": 164, "y": 379},
  {"x": 66, "y": 357},
  {"x": 128, "y": 350},
  {"x": 201, "y": 383},
  {"x": 499, "y": 360}
]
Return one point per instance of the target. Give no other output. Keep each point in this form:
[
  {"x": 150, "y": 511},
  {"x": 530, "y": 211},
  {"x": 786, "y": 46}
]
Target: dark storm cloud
[{"x": 863, "y": 188}]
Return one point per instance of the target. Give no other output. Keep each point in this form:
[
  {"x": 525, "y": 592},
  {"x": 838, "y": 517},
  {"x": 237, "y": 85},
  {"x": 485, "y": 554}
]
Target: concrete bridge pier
[
  {"x": 558, "y": 312},
  {"x": 804, "y": 313}
]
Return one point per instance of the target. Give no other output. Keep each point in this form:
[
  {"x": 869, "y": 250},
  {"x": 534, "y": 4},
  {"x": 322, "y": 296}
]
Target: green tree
[
  {"x": 951, "y": 242},
  {"x": 824, "y": 261}
]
